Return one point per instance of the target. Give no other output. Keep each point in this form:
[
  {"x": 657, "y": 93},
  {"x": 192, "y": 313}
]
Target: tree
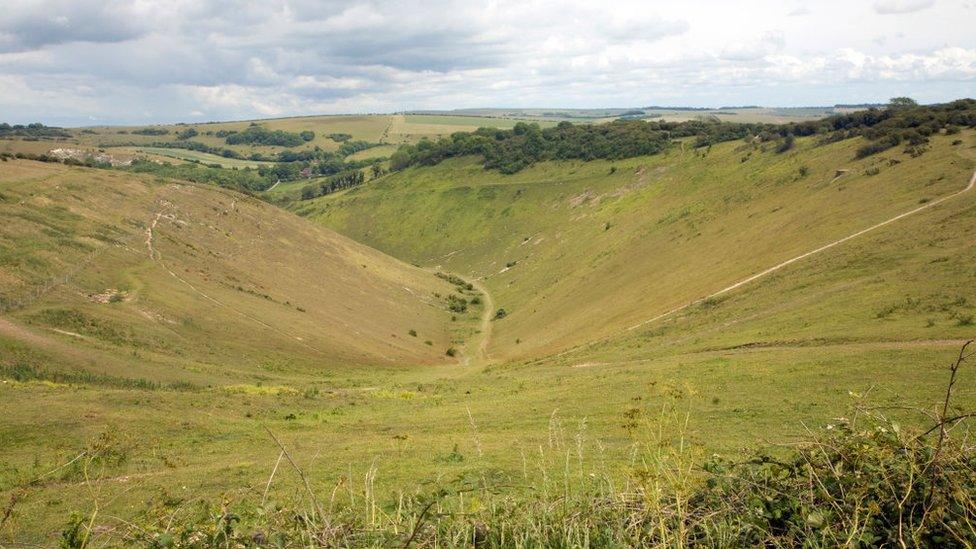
[{"x": 902, "y": 102}]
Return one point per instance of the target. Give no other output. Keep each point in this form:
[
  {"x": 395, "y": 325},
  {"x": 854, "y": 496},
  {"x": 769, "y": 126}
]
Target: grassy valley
[
  {"x": 448, "y": 354},
  {"x": 576, "y": 251}
]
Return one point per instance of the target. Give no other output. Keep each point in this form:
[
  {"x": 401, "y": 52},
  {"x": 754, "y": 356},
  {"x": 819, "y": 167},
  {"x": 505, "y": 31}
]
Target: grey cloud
[{"x": 28, "y": 25}]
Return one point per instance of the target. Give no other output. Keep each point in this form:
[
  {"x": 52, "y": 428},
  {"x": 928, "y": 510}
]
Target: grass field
[
  {"x": 176, "y": 395},
  {"x": 195, "y": 156}
]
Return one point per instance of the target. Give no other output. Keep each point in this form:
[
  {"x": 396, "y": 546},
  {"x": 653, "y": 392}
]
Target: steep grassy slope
[
  {"x": 199, "y": 283},
  {"x": 575, "y": 252}
]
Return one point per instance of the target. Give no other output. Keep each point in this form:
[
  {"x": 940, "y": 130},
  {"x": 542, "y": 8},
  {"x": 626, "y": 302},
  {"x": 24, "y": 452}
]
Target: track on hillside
[
  {"x": 155, "y": 256},
  {"x": 774, "y": 268}
]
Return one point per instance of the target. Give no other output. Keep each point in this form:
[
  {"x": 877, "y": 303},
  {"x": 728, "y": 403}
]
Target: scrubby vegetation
[
  {"x": 512, "y": 150},
  {"x": 88, "y": 161},
  {"x": 352, "y": 147},
  {"x": 246, "y": 180},
  {"x": 342, "y": 180},
  {"x": 35, "y": 130},
  {"x": 150, "y": 131}
]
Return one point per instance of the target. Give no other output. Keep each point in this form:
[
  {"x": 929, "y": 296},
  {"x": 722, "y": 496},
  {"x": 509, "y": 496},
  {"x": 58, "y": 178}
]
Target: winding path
[
  {"x": 774, "y": 268},
  {"x": 481, "y": 355},
  {"x": 479, "y": 344}
]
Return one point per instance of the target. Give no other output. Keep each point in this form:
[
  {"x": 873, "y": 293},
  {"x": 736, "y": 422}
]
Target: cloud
[
  {"x": 889, "y": 7},
  {"x": 763, "y": 45},
  {"x": 27, "y": 25},
  {"x": 172, "y": 60}
]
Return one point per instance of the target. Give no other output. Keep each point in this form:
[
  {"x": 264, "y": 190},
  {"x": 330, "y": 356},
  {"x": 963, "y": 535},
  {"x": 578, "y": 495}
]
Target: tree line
[
  {"x": 34, "y": 130},
  {"x": 259, "y": 135},
  {"x": 509, "y": 151}
]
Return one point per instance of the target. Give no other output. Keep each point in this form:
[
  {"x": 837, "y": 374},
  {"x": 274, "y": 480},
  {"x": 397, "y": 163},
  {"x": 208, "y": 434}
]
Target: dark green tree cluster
[
  {"x": 512, "y": 150},
  {"x": 150, "y": 131},
  {"x": 259, "y": 135},
  {"x": 242, "y": 180},
  {"x": 351, "y": 147},
  {"x": 343, "y": 180},
  {"x": 31, "y": 130}
]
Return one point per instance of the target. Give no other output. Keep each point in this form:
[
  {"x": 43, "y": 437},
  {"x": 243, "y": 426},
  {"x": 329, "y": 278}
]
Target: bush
[
  {"x": 457, "y": 304},
  {"x": 150, "y": 131},
  {"x": 786, "y": 144}
]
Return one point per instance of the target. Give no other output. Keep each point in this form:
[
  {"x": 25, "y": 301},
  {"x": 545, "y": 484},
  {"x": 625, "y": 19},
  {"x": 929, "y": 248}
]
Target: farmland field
[{"x": 202, "y": 157}]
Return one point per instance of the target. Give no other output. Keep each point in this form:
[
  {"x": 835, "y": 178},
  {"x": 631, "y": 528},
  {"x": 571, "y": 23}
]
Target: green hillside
[
  {"x": 103, "y": 260},
  {"x": 577, "y": 251},
  {"x": 184, "y": 362}
]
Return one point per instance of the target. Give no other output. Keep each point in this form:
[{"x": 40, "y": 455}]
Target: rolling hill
[
  {"x": 207, "y": 284},
  {"x": 165, "y": 345}
]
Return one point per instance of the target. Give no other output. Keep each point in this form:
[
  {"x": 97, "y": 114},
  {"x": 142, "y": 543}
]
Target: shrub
[
  {"x": 150, "y": 131},
  {"x": 457, "y": 304},
  {"x": 451, "y": 351},
  {"x": 786, "y": 144}
]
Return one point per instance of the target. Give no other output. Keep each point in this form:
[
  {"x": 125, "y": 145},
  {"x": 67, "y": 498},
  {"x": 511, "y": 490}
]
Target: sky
[{"x": 89, "y": 62}]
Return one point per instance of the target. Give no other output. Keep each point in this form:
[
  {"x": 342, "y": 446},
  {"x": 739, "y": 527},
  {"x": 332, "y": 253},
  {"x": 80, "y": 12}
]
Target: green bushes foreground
[{"x": 863, "y": 481}]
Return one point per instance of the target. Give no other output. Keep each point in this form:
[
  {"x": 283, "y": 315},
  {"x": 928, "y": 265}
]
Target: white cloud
[
  {"x": 155, "y": 60},
  {"x": 888, "y": 7}
]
